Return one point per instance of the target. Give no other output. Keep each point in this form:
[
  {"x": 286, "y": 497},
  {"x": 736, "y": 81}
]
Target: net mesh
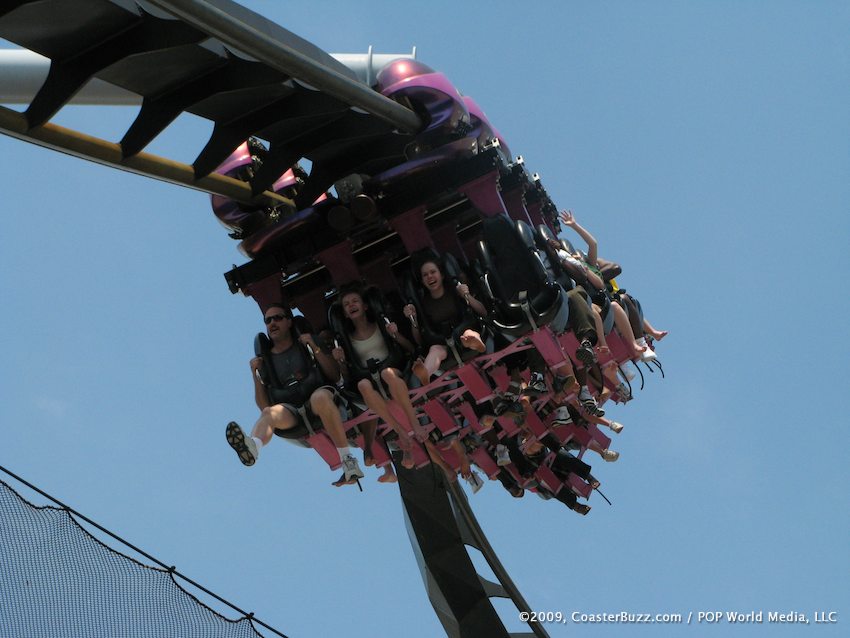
[{"x": 57, "y": 580}]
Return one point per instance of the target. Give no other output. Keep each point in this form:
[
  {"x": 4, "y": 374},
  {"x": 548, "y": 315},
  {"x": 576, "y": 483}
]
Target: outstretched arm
[{"x": 570, "y": 220}]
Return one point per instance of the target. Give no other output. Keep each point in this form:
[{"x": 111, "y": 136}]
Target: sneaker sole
[
  {"x": 585, "y": 356},
  {"x": 236, "y": 440}
]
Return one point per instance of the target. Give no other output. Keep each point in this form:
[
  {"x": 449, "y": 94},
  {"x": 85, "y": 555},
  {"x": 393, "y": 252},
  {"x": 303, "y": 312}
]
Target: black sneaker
[
  {"x": 585, "y": 353},
  {"x": 589, "y": 403},
  {"x": 536, "y": 384},
  {"x": 507, "y": 404}
]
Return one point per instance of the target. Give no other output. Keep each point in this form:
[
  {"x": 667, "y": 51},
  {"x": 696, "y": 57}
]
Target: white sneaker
[
  {"x": 502, "y": 456},
  {"x": 616, "y": 428},
  {"x": 648, "y": 355},
  {"x": 245, "y": 446},
  {"x": 610, "y": 455},
  {"x": 562, "y": 416},
  {"x": 474, "y": 481},
  {"x": 351, "y": 468}
]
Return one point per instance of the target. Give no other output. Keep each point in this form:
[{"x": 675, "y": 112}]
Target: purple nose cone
[{"x": 400, "y": 70}]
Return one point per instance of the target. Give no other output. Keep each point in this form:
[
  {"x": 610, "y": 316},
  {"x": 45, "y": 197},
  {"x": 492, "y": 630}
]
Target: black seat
[
  {"x": 524, "y": 296},
  {"x": 542, "y": 238}
]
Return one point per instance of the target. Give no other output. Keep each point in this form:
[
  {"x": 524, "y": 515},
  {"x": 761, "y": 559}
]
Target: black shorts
[{"x": 300, "y": 430}]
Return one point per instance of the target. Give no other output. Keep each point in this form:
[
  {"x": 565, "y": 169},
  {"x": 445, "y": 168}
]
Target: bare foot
[
  {"x": 407, "y": 461},
  {"x": 421, "y": 372},
  {"x": 473, "y": 342},
  {"x": 388, "y": 476},
  {"x": 658, "y": 335}
]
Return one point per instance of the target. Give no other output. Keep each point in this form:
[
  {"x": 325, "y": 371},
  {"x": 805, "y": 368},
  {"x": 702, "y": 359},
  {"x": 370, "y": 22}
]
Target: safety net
[{"x": 57, "y": 580}]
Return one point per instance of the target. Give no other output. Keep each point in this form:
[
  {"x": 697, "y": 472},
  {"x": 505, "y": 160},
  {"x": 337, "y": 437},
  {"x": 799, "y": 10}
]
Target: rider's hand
[
  {"x": 568, "y": 218},
  {"x": 307, "y": 340}
]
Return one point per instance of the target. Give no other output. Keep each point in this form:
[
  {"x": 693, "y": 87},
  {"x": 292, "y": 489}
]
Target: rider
[
  {"x": 444, "y": 308},
  {"x": 302, "y": 385},
  {"x": 368, "y": 343}
]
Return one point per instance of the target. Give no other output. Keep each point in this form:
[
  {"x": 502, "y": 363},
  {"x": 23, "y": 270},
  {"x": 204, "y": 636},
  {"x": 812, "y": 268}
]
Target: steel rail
[
  {"x": 71, "y": 142},
  {"x": 221, "y": 19}
]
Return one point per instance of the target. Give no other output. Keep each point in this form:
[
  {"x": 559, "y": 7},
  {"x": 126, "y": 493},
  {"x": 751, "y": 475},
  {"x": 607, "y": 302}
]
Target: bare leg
[
  {"x": 401, "y": 395},
  {"x": 368, "y": 430},
  {"x": 436, "y": 355},
  {"x": 634, "y": 314},
  {"x": 437, "y": 458},
  {"x": 465, "y": 469},
  {"x": 274, "y": 417},
  {"x": 424, "y": 369},
  {"x": 621, "y": 320},
  {"x": 600, "y": 328},
  {"x": 322, "y": 404},
  {"x": 658, "y": 335},
  {"x": 376, "y": 403}
]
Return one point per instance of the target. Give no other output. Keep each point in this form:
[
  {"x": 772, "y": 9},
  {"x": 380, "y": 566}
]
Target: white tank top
[{"x": 372, "y": 348}]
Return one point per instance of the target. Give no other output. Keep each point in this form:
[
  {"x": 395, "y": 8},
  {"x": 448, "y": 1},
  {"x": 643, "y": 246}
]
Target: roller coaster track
[{"x": 442, "y": 526}]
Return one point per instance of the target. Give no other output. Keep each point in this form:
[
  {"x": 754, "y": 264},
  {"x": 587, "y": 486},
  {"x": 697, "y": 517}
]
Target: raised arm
[{"x": 592, "y": 248}]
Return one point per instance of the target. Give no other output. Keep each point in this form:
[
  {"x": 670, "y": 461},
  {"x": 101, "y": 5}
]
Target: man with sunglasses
[{"x": 301, "y": 384}]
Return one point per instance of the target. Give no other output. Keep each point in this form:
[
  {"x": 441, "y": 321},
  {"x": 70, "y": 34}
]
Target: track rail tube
[
  {"x": 219, "y": 19},
  {"x": 71, "y": 142}
]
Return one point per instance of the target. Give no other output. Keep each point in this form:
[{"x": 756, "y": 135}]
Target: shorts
[{"x": 300, "y": 429}]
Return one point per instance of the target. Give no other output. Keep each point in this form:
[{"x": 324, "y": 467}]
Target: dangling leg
[
  {"x": 401, "y": 395},
  {"x": 375, "y": 402},
  {"x": 424, "y": 370},
  {"x": 323, "y": 405}
]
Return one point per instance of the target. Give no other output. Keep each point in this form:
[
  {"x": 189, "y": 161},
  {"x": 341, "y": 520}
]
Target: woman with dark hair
[
  {"x": 445, "y": 309},
  {"x": 369, "y": 345}
]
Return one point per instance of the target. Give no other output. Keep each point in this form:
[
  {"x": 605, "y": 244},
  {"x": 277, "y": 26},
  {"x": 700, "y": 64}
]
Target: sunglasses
[{"x": 268, "y": 320}]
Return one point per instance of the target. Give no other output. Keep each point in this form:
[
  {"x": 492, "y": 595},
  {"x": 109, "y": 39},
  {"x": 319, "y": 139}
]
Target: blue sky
[{"x": 705, "y": 144}]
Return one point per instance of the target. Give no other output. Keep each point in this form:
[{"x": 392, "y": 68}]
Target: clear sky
[{"x": 705, "y": 144}]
